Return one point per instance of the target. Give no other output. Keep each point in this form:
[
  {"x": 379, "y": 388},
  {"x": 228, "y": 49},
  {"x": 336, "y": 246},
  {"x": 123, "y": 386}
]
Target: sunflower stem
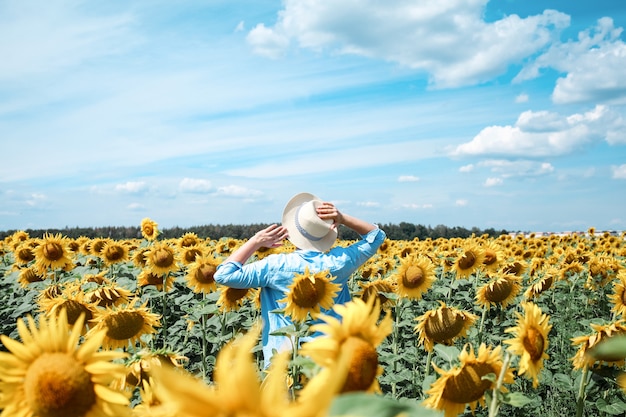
[
  {"x": 429, "y": 358},
  {"x": 164, "y": 297},
  {"x": 204, "y": 337},
  {"x": 394, "y": 344},
  {"x": 580, "y": 400},
  {"x": 482, "y": 321},
  {"x": 494, "y": 407}
]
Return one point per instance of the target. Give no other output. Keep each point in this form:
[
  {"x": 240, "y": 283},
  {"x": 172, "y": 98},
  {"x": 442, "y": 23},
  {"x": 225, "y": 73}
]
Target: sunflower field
[{"x": 484, "y": 326}]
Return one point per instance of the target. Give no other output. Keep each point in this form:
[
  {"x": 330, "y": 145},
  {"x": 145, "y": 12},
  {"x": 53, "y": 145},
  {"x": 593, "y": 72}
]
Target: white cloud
[
  {"x": 461, "y": 202},
  {"x": 408, "y": 178},
  {"x": 492, "y": 182},
  {"x": 594, "y": 66},
  {"x": 467, "y": 168},
  {"x": 522, "y": 98},
  {"x": 448, "y": 38},
  {"x": 368, "y": 204},
  {"x": 415, "y": 206},
  {"x": 619, "y": 172},
  {"x": 135, "y": 206},
  {"x": 36, "y": 199},
  {"x": 132, "y": 187},
  {"x": 547, "y": 133},
  {"x": 238, "y": 191},
  {"x": 194, "y": 185},
  {"x": 519, "y": 168}
]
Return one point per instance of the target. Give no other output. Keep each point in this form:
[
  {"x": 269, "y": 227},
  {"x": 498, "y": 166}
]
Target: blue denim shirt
[{"x": 274, "y": 273}]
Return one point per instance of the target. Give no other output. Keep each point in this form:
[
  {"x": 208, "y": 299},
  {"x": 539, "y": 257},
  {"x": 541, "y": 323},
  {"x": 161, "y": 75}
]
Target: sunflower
[
  {"x": 113, "y": 253},
  {"x": 618, "y": 298},
  {"x": 601, "y": 332},
  {"x": 162, "y": 258},
  {"x": 238, "y": 389},
  {"x": 231, "y": 299},
  {"x": 469, "y": 261},
  {"x": 308, "y": 293},
  {"x": 28, "y": 276},
  {"x": 98, "y": 245},
  {"x": 443, "y": 325},
  {"x": 494, "y": 256},
  {"x": 149, "y": 229},
  {"x": 52, "y": 253},
  {"x": 514, "y": 267},
  {"x": 50, "y": 374},
  {"x": 500, "y": 290},
  {"x": 188, "y": 254},
  {"x": 139, "y": 256},
  {"x": 147, "y": 277},
  {"x": 414, "y": 277},
  {"x": 72, "y": 301},
  {"x": 377, "y": 289},
  {"x": 107, "y": 295},
  {"x": 359, "y": 332},
  {"x": 543, "y": 282},
  {"x": 24, "y": 254},
  {"x": 200, "y": 274},
  {"x": 464, "y": 385},
  {"x": 188, "y": 239},
  {"x": 139, "y": 367},
  {"x": 531, "y": 340},
  {"x": 126, "y": 324}
]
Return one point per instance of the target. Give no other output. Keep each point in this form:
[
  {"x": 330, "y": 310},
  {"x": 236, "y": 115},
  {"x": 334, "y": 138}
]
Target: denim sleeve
[
  {"x": 236, "y": 275},
  {"x": 350, "y": 258}
]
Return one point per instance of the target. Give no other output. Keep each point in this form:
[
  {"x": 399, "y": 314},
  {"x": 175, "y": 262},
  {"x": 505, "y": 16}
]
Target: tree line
[{"x": 401, "y": 231}]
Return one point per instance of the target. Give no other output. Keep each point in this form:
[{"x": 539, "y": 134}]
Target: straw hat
[{"x": 306, "y": 230}]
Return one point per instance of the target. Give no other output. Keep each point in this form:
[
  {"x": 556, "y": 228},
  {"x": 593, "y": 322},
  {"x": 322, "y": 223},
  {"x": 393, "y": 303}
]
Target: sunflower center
[
  {"x": 204, "y": 274},
  {"x": 468, "y": 386},
  {"x": 444, "y": 325},
  {"x": 546, "y": 283},
  {"x": 413, "y": 277},
  {"x": 30, "y": 275},
  {"x": 163, "y": 258},
  {"x": 53, "y": 251},
  {"x": 235, "y": 294},
  {"x": 75, "y": 309},
  {"x": 468, "y": 260},
  {"x": 533, "y": 343},
  {"x": 56, "y": 385},
  {"x": 114, "y": 253},
  {"x": 25, "y": 255},
  {"x": 363, "y": 365},
  {"x": 191, "y": 254},
  {"x": 308, "y": 293},
  {"x": 124, "y": 325},
  {"x": 500, "y": 290},
  {"x": 490, "y": 257}
]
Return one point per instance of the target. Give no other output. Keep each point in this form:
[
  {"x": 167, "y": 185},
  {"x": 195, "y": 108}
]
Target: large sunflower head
[
  {"x": 108, "y": 295},
  {"x": 200, "y": 274},
  {"x": 188, "y": 239},
  {"x": 531, "y": 340},
  {"x": 464, "y": 384},
  {"x": 469, "y": 260},
  {"x": 72, "y": 301},
  {"x": 149, "y": 229},
  {"x": 188, "y": 254},
  {"x": 114, "y": 252},
  {"x": 24, "y": 254},
  {"x": 162, "y": 258},
  {"x": 414, "y": 276},
  {"x": 357, "y": 334},
  {"x": 50, "y": 374},
  {"x": 499, "y": 291},
  {"x": 125, "y": 325},
  {"x": 542, "y": 282},
  {"x": 160, "y": 281},
  {"x": 52, "y": 253},
  {"x": 308, "y": 293},
  {"x": 443, "y": 325},
  {"x": 28, "y": 276},
  {"x": 494, "y": 256}
]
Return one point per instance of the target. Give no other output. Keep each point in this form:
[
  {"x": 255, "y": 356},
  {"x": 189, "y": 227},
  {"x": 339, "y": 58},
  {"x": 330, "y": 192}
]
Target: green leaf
[
  {"x": 489, "y": 377},
  {"x": 615, "y": 408},
  {"x": 516, "y": 399},
  {"x": 449, "y": 353},
  {"x": 371, "y": 405},
  {"x": 563, "y": 382}
]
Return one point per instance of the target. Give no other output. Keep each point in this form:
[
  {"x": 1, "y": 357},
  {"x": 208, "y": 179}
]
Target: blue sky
[{"x": 508, "y": 114}]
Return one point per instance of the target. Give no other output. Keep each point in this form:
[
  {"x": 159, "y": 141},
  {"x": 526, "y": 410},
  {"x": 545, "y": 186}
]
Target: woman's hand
[
  {"x": 271, "y": 237},
  {"x": 327, "y": 211}
]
